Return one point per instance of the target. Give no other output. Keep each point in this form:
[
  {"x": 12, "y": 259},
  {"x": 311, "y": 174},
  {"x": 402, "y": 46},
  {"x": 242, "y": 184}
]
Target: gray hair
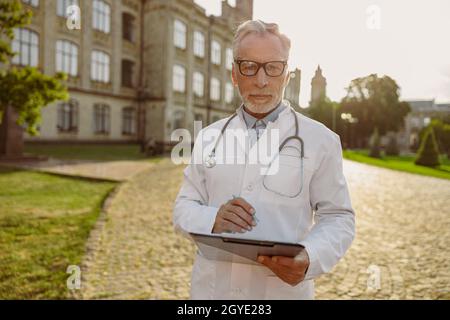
[{"x": 259, "y": 27}]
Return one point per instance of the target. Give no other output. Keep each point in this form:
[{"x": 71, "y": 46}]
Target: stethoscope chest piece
[{"x": 210, "y": 161}]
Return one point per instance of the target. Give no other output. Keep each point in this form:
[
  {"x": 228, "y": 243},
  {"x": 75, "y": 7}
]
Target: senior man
[{"x": 305, "y": 202}]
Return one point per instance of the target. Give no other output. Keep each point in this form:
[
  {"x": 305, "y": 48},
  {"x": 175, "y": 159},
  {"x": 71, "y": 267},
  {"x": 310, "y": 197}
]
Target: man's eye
[
  {"x": 249, "y": 67},
  {"x": 271, "y": 67}
]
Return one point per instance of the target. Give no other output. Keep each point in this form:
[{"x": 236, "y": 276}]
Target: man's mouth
[{"x": 260, "y": 96}]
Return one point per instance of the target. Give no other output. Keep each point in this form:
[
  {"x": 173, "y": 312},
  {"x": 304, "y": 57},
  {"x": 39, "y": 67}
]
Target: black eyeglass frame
[{"x": 263, "y": 65}]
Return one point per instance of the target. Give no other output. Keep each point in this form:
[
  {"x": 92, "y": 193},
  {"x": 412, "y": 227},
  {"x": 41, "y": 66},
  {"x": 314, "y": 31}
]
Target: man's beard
[{"x": 259, "y": 108}]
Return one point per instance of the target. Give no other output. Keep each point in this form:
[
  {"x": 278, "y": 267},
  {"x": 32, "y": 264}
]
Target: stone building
[
  {"x": 422, "y": 111},
  {"x": 318, "y": 86},
  {"x": 138, "y": 69}
]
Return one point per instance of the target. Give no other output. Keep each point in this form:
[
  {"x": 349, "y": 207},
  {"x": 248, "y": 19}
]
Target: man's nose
[{"x": 261, "y": 78}]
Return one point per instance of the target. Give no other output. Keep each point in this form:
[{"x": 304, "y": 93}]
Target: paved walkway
[
  {"x": 108, "y": 170},
  {"x": 401, "y": 250}
]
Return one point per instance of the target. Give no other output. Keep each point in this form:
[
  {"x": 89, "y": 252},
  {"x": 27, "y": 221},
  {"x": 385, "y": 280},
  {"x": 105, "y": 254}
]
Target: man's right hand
[{"x": 234, "y": 216}]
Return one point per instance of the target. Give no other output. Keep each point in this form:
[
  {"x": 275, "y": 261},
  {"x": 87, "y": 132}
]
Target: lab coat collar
[
  {"x": 239, "y": 123},
  {"x": 250, "y": 120}
]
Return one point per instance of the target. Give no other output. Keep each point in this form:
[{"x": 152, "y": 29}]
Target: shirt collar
[{"x": 271, "y": 117}]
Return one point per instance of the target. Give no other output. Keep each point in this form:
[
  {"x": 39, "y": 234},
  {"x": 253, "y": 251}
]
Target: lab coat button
[{"x": 250, "y": 187}]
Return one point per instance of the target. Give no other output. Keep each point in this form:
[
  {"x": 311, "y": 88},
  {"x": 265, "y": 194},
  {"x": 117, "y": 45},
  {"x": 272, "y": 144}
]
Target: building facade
[
  {"x": 422, "y": 111},
  {"x": 137, "y": 69}
]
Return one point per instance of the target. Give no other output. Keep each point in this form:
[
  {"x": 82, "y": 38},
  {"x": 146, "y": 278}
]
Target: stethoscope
[{"x": 210, "y": 159}]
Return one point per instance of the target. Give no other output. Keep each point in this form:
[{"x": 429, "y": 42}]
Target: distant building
[
  {"x": 422, "y": 111},
  {"x": 138, "y": 69},
  {"x": 292, "y": 92},
  {"x": 318, "y": 86}
]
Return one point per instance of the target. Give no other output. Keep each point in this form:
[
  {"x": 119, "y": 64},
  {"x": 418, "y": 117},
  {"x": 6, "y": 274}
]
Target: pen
[{"x": 254, "y": 215}]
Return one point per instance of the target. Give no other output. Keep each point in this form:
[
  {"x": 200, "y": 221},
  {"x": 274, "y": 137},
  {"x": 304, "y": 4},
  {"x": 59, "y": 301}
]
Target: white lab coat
[{"x": 321, "y": 218}]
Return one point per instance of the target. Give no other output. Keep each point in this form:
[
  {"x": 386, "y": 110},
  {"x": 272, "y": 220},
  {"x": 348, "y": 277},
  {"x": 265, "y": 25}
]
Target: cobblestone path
[{"x": 401, "y": 250}]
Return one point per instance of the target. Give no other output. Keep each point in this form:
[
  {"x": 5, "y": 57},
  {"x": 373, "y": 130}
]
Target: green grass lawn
[
  {"x": 401, "y": 163},
  {"x": 87, "y": 152},
  {"x": 45, "y": 221}
]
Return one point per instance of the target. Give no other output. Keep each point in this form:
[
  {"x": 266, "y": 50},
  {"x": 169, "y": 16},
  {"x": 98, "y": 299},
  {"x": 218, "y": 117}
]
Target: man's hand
[
  {"x": 290, "y": 270},
  {"x": 234, "y": 216}
]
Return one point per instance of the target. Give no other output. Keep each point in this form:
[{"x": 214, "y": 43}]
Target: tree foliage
[
  {"x": 374, "y": 101},
  {"x": 25, "y": 89},
  {"x": 428, "y": 154}
]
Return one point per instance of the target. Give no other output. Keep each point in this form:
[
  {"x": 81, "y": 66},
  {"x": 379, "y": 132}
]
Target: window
[
  {"x": 101, "y": 118},
  {"x": 229, "y": 55},
  {"x": 99, "y": 66},
  {"x": 215, "y": 89},
  {"x": 199, "y": 44},
  {"x": 34, "y": 3},
  {"x": 26, "y": 44},
  {"x": 215, "y": 52},
  {"x": 127, "y": 73},
  {"x": 67, "y": 57},
  {"x": 178, "y": 120},
  {"x": 127, "y": 27},
  {"x": 229, "y": 93},
  {"x": 68, "y": 116},
  {"x": 179, "y": 78},
  {"x": 101, "y": 16},
  {"x": 179, "y": 34},
  {"x": 128, "y": 121},
  {"x": 62, "y": 5},
  {"x": 198, "y": 84}
]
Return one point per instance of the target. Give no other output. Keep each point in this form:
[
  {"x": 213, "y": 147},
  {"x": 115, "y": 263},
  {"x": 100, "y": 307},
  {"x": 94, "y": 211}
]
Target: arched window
[
  {"x": 67, "y": 57},
  {"x": 100, "y": 64},
  {"x": 101, "y": 16},
  {"x": 26, "y": 45},
  {"x": 101, "y": 118},
  {"x": 68, "y": 116},
  {"x": 129, "y": 121}
]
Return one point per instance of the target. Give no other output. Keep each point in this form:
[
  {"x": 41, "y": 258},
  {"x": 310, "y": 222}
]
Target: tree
[
  {"x": 325, "y": 111},
  {"x": 375, "y": 145},
  {"x": 374, "y": 101},
  {"x": 428, "y": 154},
  {"x": 442, "y": 133},
  {"x": 392, "y": 147},
  {"x": 23, "y": 91}
]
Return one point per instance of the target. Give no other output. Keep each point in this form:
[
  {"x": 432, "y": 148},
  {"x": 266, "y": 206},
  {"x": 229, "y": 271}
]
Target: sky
[{"x": 408, "y": 40}]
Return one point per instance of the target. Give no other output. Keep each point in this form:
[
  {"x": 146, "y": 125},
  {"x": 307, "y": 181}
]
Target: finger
[
  {"x": 234, "y": 218},
  {"x": 285, "y": 273},
  {"x": 231, "y": 227},
  {"x": 267, "y": 261},
  {"x": 244, "y": 205},
  {"x": 246, "y": 217},
  {"x": 284, "y": 261}
]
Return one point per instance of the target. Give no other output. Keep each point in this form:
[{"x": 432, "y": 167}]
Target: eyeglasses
[{"x": 271, "y": 68}]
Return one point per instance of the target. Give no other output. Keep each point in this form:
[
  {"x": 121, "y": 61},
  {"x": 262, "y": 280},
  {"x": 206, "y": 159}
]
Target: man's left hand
[{"x": 290, "y": 270}]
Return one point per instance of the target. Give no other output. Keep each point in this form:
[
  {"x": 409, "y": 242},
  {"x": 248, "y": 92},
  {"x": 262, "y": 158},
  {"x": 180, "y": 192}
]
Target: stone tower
[
  {"x": 243, "y": 11},
  {"x": 318, "y": 86}
]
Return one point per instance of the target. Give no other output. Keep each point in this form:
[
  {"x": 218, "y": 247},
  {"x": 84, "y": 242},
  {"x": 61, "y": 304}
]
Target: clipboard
[{"x": 242, "y": 250}]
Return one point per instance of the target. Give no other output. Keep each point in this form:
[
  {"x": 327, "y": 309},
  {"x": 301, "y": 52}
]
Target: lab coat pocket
[
  {"x": 277, "y": 289},
  {"x": 287, "y": 179}
]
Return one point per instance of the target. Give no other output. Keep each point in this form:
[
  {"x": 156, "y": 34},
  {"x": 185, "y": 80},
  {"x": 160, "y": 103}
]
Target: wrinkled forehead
[{"x": 262, "y": 47}]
